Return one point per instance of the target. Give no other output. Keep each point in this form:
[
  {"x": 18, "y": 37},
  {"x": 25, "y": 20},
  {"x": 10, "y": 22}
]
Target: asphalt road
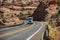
[{"x": 21, "y": 32}]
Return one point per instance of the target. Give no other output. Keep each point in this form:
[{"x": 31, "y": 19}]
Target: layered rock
[
  {"x": 11, "y": 10},
  {"x": 8, "y": 17}
]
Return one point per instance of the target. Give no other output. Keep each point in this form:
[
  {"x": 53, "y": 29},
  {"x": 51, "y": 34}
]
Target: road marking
[
  {"x": 5, "y": 28},
  {"x": 42, "y": 35},
  {"x": 34, "y": 33},
  {"x": 16, "y": 31}
]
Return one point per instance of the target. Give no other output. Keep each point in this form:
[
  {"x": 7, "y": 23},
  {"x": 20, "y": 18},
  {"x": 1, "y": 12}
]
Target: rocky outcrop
[
  {"x": 9, "y": 17},
  {"x": 40, "y": 13},
  {"x": 11, "y": 10}
]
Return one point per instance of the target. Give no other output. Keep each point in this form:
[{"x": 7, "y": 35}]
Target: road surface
[{"x": 21, "y": 32}]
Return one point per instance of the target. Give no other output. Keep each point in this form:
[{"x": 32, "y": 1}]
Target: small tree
[
  {"x": 1, "y": 17},
  {"x": 21, "y": 14},
  {"x": 29, "y": 13},
  {"x": 28, "y": 3}
]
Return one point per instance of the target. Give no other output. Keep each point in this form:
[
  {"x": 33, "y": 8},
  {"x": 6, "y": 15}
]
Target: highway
[{"x": 22, "y": 32}]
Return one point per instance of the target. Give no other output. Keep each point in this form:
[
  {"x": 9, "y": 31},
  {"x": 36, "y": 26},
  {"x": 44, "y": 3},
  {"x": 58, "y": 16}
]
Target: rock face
[
  {"x": 40, "y": 13},
  {"x": 10, "y": 10},
  {"x": 8, "y": 17}
]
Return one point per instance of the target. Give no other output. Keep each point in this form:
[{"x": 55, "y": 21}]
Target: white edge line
[
  {"x": 42, "y": 35},
  {"x": 4, "y": 29},
  {"x": 34, "y": 33}
]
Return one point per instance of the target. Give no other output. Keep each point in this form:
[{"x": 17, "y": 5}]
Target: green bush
[
  {"x": 1, "y": 22},
  {"x": 21, "y": 14}
]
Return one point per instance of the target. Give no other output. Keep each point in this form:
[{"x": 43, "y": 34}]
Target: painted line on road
[
  {"x": 43, "y": 35},
  {"x": 16, "y": 31},
  {"x": 35, "y": 33},
  {"x": 5, "y": 28}
]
